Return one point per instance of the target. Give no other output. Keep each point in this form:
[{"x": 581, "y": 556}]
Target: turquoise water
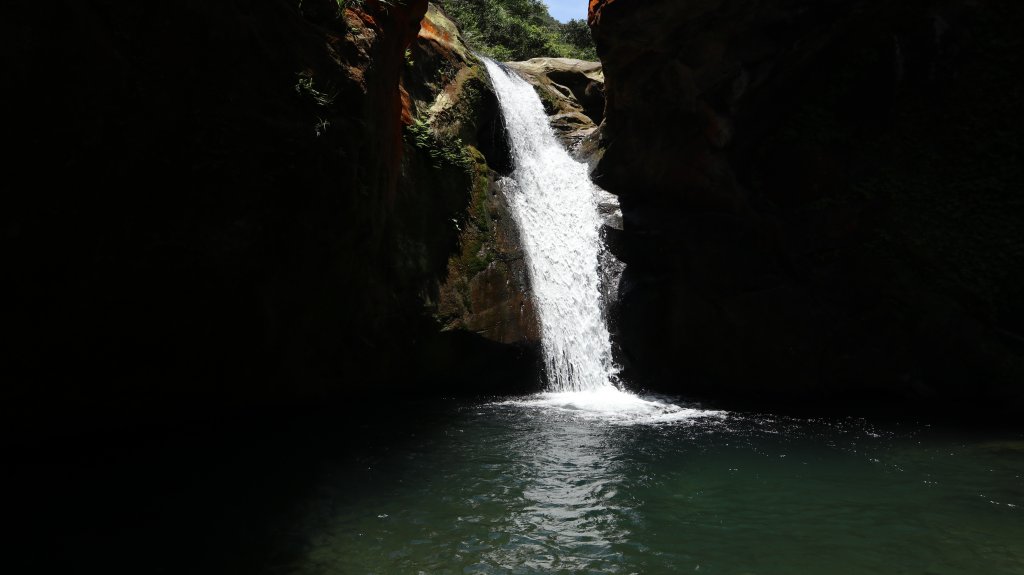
[{"x": 511, "y": 488}]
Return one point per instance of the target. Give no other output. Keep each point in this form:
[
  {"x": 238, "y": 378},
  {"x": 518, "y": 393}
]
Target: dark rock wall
[
  {"x": 215, "y": 202},
  {"x": 486, "y": 289},
  {"x": 821, "y": 199}
]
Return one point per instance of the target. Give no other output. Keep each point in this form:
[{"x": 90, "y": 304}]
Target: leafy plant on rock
[
  {"x": 442, "y": 152},
  {"x": 519, "y": 30}
]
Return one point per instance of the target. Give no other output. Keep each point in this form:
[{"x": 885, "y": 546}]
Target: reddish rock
[{"x": 486, "y": 289}]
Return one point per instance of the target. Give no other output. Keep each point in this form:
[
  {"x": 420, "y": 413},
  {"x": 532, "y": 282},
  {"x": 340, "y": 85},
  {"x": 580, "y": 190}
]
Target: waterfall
[{"x": 556, "y": 208}]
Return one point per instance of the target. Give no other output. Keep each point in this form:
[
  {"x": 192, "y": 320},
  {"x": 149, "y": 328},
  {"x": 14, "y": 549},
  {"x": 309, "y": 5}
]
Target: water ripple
[{"x": 533, "y": 487}]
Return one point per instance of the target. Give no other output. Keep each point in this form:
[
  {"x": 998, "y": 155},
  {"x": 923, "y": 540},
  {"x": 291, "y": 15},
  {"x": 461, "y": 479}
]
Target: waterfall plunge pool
[
  {"x": 588, "y": 479},
  {"x": 554, "y": 484},
  {"x": 530, "y": 485}
]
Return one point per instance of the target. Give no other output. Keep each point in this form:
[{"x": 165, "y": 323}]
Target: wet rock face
[
  {"x": 485, "y": 291},
  {"x": 793, "y": 178},
  {"x": 572, "y": 92}
]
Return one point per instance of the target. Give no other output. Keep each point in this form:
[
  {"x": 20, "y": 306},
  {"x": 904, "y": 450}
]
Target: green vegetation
[
  {"x": 304, "y": 88},
  {"x": 442, "y": 151},
  {"x": 478, "y": 245},
  {"x": 519, "y": 30},
  {"x": 355, "y": 4},
  {"x": 342, "y": 4}
]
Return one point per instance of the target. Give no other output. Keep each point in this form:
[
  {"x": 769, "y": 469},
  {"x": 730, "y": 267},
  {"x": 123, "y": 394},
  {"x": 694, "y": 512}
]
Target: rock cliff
[
  {"x": 489, "y": 341},
  {"x": 486, "y": 290},
  {"x": 572, "y": 92},
  {"x": 227, "y": 202},
  {"x": 821, "y": 199}
]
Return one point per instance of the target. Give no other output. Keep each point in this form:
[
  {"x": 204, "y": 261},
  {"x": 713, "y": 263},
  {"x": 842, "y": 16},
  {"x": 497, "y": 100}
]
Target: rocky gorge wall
[
  {"x": 231, "y": 203},
  {"x": 454, "y": 115},
  {"x": 821, "y": 200},
  {"x": 489, "y": 338}
]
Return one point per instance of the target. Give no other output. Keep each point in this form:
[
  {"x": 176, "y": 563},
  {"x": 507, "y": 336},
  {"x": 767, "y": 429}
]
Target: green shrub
[
  {"x": 442, "y": 152},
  {"x": 519, "y": 30}
]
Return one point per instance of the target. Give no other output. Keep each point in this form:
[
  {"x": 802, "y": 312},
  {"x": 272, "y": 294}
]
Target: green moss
[
  {"x": 551, "y": 104},
  {"x": 442, "y": 151},
  {"x": 478, "y": 242},
  {"x": 305, "y": 87},
  {"x": 463, "y": 117},
  {"x": 342, "y": 4}
]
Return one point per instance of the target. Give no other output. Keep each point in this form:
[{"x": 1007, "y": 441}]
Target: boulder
[{"x": 572, "y": 92}]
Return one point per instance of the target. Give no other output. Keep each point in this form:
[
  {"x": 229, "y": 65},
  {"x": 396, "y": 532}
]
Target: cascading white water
[{"x": 556, "y": 208}]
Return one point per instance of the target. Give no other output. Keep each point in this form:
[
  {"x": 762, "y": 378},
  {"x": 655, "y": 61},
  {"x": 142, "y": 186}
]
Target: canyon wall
[
  {"x": 821, "y": 199},
  {"x": 225, "y": 202}
]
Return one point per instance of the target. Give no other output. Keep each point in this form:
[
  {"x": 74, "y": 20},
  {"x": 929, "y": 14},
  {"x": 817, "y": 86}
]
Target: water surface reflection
[
  {"x": 540, "y": 486},
  {"x": 572, "y": 510}
]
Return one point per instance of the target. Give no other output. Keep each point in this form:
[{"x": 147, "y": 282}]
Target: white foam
[
  {"x": 556, "y": 208},
  {"x": 613, "y": 405}
]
